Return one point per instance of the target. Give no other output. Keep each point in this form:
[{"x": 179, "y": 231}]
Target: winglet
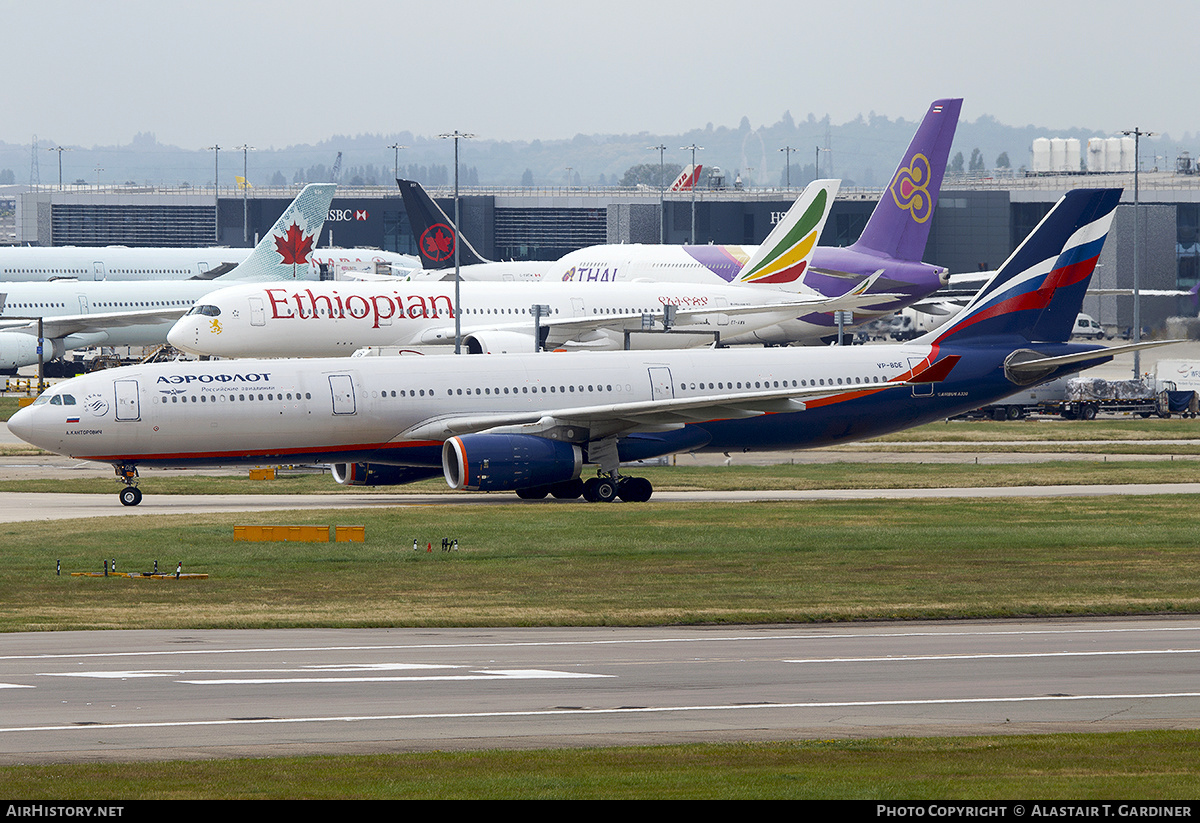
[
  {"x": 784, "y": 256},
  {"x": 283, "y": 253}
]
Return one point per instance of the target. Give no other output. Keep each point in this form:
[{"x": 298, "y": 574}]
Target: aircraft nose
[{"x": 21, "y": 423}]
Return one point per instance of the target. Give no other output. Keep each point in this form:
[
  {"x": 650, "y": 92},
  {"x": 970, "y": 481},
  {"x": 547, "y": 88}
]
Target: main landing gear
[
  {"x": 600, "y": 489},
  {"x": 127, "y": 473}
]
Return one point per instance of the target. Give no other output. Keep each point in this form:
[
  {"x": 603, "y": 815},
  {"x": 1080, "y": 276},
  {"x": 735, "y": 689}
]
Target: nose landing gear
[{"x": 127, "y": 473}]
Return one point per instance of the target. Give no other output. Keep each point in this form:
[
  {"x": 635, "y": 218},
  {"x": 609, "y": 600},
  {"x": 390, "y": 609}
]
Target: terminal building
[{"x": 977, "y": 224}]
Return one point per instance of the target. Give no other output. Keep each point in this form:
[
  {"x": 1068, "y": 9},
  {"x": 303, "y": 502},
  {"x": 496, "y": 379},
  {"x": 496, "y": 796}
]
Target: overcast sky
[{"x": 274, "y": 74}]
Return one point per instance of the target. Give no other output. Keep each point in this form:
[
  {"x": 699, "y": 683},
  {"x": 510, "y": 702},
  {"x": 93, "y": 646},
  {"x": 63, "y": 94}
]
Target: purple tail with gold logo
[{"x": 899, "y": 226}]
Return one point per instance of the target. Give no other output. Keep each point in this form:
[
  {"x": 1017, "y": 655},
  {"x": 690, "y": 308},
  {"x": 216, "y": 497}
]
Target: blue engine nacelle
[
  {"x": 504, "y": 462},
  {"x": 377, "y": 474}
]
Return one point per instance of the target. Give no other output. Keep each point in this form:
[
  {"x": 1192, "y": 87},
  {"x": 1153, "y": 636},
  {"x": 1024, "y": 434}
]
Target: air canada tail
[
  {"x": 899, "y": 226},
  {"x": 283, "y": 254},
  {"x": 434, "y": 230},
  {"x": 1038, "y": 292},
  {"x": 783, "y": 257}
]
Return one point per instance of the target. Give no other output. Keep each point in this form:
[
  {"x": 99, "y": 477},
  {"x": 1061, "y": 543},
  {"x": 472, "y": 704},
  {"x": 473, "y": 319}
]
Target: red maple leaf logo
[
  {"x": 437, "y": 243},
  {"x": 294, "y": 247}
]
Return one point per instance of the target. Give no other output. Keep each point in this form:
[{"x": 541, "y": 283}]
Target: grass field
[{"x": 1156, "y": 766}]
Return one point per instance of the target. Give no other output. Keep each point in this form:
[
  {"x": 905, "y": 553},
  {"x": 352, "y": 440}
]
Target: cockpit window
[{"x": 207, "y": 311}]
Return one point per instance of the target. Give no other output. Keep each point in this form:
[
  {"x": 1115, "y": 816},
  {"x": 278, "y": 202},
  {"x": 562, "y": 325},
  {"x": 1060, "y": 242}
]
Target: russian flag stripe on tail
[{"x": 1039, "y": 290}]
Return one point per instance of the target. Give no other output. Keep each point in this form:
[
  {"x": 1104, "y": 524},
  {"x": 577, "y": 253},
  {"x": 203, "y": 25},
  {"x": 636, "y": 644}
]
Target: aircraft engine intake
[
  {"x": 505, "y": 462},
  {"x": 18, "y": 349},
  {"x": 487, "y": 341},
  {"x": 377, "y": 474}
]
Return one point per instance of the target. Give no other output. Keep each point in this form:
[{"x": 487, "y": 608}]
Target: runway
[
  {"x": 16, "y": 507},
  {"x": 83, "y": 696}
]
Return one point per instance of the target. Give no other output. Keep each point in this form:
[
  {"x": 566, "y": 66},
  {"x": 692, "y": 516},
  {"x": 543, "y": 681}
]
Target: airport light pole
[
  {"x": 60, "y": 150},
  {"x": 245, "y": 150},
  {"x": 787, "y": 150},
  {"x": 396, "y": 164},
  {"x": 1137, "y": 297},
  {"x": 817, "y": 163},
  {"x": 695, "y": 181},
  {"x": 662, "y": 187},
  {"x": 216, "y": 150},
  {"x": 456, "y": 136}
]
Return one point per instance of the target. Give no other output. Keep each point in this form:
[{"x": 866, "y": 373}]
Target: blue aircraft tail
[{"x": 1038, "y": 292}]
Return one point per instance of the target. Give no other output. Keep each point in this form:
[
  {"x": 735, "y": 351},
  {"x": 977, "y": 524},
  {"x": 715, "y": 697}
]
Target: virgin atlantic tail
[
  {"x": 434, "y": 230},
  {"x": 899, "y": 226},
  {"x": 1037, "y": 293}
]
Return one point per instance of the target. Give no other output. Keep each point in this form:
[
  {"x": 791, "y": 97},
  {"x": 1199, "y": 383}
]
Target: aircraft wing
[
  {"x": 577, "y": 325},
  {"x": 64, "y": 325},
  {"x": 586, "y": 423}
]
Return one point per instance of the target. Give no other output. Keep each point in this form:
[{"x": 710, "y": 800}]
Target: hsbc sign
[{"x": 346, "y": 215}]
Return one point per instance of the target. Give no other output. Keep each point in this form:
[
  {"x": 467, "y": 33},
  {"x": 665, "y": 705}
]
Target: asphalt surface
[{"x": 127, "y": 695}]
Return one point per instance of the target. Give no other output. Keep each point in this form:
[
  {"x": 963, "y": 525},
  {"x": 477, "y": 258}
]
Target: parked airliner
[
  {"x": 330, "y": 319},
  {"x": 22, "y": 264},
  {"x": 77, "y": 314},
  {"x": 530, "y": 422},
  {"x": 888, "y": 252}
]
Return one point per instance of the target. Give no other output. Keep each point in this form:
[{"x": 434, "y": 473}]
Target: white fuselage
[
  {"x": 43, "y": 263},
  {"x": 339, "y": 409},
  {"x": 330, "y": 319}
]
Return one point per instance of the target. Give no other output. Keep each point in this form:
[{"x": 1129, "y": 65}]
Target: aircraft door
[
  {"x": 921, "y": 389},
  {"x": 128, "y": 407},
  {"x": 98, "y": 271},
  {"x": 83, "y": 303},
  {"x": 258, "y": 312},
  {"x": 577, "y": 307},
  {"x": 661, "y": 387},
  {"x": 341, "y": 386}
]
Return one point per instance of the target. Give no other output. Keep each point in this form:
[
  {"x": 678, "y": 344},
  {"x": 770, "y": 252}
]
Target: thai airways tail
[
  {"x": 434, "y": 230},
  {"x": 283, "y": 254},
  {"x": 687, "y": 179},
  {"x": 781, "y": 260},
  {"x": 899, "y": 226},
  {"x": 1038, "y": 292}
]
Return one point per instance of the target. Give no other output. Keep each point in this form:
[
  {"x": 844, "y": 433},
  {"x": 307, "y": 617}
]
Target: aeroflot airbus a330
[{"x": 529, "y": 422}]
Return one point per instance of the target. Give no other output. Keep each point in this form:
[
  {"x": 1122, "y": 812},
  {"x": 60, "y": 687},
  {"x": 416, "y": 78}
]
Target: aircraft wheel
[
  {"x": 535, "y": 493},
  {"x": 567, "y": 490},
  {"x": 599, "y": 490},
  {"x": 131, "y": 496},
  {"x": 635, "y": 490}
]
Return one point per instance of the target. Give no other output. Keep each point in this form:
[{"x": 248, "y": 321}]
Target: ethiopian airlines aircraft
[
  {"x": 888, "y": 252},
  {"x": 330, "y": 319},
  {"x": 530, "y": 422},
  {"x": 76, "y": 314}
]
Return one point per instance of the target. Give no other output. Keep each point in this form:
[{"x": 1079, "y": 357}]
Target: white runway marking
[{"x": 596, "y": 712}]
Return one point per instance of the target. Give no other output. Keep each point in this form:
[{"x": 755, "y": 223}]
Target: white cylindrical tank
[
  {"x": 1112, "y": 154},
  {"x": 1128, "y": 154},
  {"x": 1040, "y": 154},
  {"x": 1058, "y": 154},
  {"x": 1072, "y": 155},
  {"x": 1095, "y": 155}
]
